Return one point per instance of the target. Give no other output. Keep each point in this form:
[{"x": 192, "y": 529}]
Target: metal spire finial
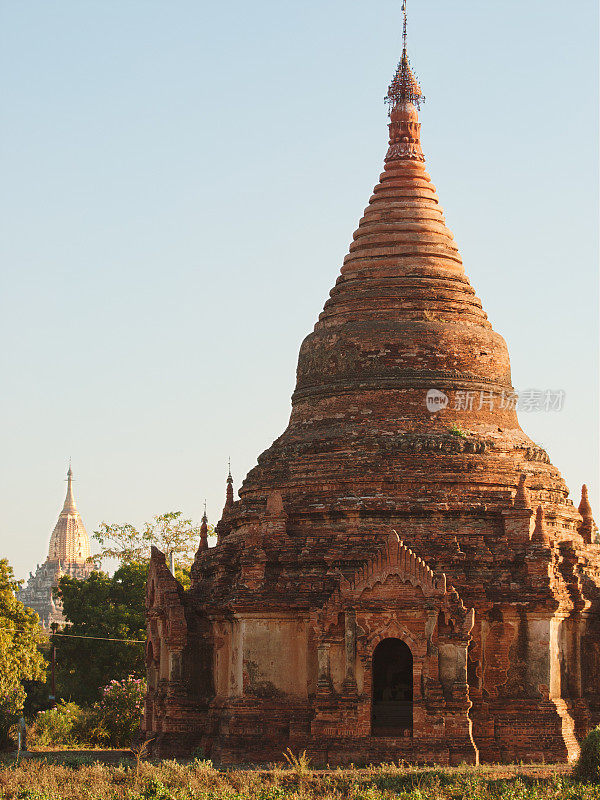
[
  {"x": 229, "y": 469},
  {"x": 404, "y": 87}
]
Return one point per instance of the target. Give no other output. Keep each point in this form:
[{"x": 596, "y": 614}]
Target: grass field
[{"x": 75, "y": 776}]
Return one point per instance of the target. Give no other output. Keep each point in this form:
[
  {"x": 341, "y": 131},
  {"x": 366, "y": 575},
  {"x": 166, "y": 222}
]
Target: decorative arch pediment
[{"x": 395, "y": 560}]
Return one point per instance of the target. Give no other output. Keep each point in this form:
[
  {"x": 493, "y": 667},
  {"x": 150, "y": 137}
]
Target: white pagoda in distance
[{"x": 68, "y": 554}]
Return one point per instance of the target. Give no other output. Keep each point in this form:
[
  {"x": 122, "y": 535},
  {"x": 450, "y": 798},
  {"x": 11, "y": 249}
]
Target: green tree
[
  {"x": 20, "y": 658},
  {"x": 104, "y": 607},
  {"x": 108, "y": 607},
  {"x": 170, "y": 532}
]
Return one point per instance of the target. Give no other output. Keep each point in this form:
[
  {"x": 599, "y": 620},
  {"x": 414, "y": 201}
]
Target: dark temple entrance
[{"x": 392, "y": 710}]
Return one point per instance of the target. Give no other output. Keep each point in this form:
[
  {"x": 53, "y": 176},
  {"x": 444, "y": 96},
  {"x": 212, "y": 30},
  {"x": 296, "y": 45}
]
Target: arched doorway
[{"x": 392, "y": 707}]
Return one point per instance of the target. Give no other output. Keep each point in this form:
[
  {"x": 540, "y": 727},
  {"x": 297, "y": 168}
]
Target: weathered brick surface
[{"x": 494, "y": 587}]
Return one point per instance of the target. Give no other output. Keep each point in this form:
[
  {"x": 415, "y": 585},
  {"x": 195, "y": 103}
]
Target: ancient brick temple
[
  {"x": 404, "y": 574},
  {"x": 68, "y": 552}
]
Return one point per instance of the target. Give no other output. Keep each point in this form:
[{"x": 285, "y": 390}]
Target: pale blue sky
[{"x": 180, "y": 183}]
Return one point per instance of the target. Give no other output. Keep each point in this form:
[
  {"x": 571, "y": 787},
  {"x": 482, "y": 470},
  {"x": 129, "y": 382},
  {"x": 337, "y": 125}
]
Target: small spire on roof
[
  {"x": 521, "y": 499},
  {"x": 585, "y": 508},
  {"x": 540, "y": 534},
  {"x": 587, "y": 527},
  {"x": 229, "y": 493},
  {"x": 204, "y": 531}
]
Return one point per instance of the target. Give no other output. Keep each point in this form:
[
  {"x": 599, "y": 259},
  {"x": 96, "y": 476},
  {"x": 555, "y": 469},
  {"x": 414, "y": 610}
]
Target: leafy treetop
[{"x": 170, "y": 532}]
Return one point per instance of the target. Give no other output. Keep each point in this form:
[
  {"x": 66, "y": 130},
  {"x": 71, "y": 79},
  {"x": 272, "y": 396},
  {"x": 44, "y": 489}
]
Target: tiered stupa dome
[{"x": 403, "y": 319}]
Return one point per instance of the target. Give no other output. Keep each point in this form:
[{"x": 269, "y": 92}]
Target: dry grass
[{"x": 80, "y": 776}]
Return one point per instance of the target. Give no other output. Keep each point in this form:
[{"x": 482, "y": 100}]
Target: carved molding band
[{"x": 405, "y": 150}]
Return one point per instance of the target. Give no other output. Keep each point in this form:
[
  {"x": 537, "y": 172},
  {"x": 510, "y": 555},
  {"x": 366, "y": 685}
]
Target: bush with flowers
[
  {"x": 111, "y": 722},
  {"x": 119, "y": 713}
]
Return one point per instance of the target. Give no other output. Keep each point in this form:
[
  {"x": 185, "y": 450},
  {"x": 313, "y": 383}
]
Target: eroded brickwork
[{"x": 494, "y": 588}]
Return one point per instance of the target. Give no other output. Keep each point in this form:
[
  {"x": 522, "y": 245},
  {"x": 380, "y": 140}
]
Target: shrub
[
  {"x": 117, "y": 716},
  {"x": 588, "y": 765},
  {"x": 57, "y": 726},
  {"x": 109, "y": 723}
]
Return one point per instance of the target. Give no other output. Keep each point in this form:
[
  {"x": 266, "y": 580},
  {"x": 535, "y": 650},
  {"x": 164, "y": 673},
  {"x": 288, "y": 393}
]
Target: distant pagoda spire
[
  {"x": 69, "y": 504},
  {"x": 69, "y": 542}
]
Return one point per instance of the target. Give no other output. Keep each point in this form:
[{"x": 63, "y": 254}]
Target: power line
[
  {"x": 77, "y": 636},
  {"x": 99, "y": 638}
]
